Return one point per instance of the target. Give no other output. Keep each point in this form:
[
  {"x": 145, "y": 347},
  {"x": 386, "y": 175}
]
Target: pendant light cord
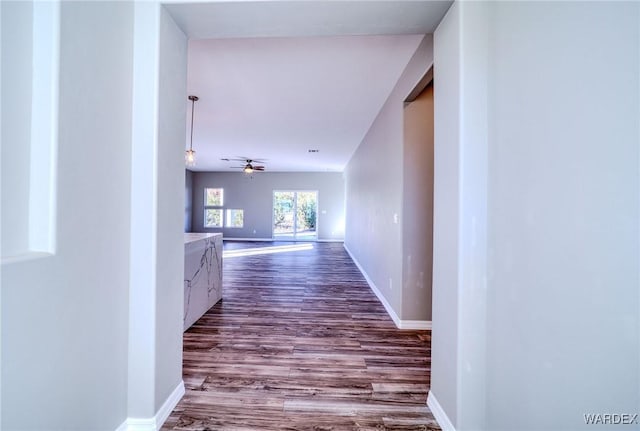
[{"x": 193, "y": 104}]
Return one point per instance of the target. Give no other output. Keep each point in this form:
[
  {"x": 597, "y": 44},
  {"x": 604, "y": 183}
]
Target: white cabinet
[{"x": 202, "y": 274}]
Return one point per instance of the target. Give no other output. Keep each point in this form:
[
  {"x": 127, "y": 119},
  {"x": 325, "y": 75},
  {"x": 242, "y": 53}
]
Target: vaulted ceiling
[{"x": 279, "y": 78}]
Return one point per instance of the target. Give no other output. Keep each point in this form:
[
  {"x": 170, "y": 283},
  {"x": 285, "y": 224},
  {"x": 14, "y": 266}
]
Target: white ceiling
[{"x": 278, "y": 78}]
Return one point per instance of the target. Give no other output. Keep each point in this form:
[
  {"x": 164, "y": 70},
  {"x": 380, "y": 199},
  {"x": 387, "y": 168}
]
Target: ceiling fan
[{"x": 250, "y": 165}]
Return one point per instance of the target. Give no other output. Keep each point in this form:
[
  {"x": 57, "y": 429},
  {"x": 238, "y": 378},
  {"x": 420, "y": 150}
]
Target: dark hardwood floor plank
[{"x": 299, "y": 342}]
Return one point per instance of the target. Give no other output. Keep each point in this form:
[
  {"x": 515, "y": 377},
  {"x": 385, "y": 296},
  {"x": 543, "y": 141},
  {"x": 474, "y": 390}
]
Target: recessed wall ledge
[{"x": 31, "y": 255}]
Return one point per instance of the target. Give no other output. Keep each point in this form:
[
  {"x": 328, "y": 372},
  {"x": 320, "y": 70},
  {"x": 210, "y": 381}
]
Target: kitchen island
[{"x": 202, "y": 274}]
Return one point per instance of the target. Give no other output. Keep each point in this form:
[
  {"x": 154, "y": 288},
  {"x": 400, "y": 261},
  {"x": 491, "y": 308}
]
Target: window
[
  {"x": 212, "y": 217},
  {"x": 234, "y": 218},
  {"x": 215, "y": 215},
  {"x": 213, "y": 200},
  {"x": 213, "y": 197}
]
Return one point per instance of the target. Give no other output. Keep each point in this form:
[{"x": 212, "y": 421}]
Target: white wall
[
  {"x": 64, "y": 317},
  {"x": 542, "y": 102},
  {"x": 446, "y": 78},
  {"x": 563, "y": 205},
  {"x": 374, "y": 188},
  {"x": 170, "y": 238},
  {"x": 255, "y": 196},
  {"x": 92, "y": 335},
  {"x": 157, "y": 202}
]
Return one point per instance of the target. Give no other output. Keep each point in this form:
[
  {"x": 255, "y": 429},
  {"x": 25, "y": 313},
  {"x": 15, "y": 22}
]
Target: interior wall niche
[
  {"x": 417, "y": 207},
  {"x": 30, "y": 71}
]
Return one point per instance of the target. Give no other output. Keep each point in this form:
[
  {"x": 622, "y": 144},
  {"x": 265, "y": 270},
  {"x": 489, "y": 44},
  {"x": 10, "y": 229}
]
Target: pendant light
[{"x": 190, "y": 155}]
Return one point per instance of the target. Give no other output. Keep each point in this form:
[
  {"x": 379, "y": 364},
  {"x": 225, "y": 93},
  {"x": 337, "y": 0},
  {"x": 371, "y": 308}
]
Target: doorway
[{"x": 295, "y": 215}]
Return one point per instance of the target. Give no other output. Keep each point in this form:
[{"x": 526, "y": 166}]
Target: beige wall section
[
  {"x": 188, "y": 199},
  {"x": 417, "y": 214},
  {"x": 374, "y": 178}
]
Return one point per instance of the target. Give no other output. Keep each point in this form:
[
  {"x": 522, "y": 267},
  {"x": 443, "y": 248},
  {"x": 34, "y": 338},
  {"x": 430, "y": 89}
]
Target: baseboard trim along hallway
[
  {"x": 438, "y": 413},
  {"x": 400, "y": 324},
  {"x": 155, "y": 423}
]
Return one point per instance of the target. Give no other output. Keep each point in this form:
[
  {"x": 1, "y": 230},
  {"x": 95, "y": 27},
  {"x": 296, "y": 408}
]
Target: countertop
[{"x": 197, "y": 236}]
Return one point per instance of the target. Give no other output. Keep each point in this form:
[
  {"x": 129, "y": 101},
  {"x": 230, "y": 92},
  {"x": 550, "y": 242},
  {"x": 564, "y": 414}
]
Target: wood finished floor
[{"x": 299, "y": 342}]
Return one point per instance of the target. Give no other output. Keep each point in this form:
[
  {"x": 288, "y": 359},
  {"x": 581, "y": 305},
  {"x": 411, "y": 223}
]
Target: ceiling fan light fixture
[
  {"x": 190, "y": 154},
  {"x": 248, "y": 169}
]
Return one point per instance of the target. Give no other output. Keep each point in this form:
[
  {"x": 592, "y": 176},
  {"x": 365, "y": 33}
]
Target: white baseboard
[
  {"x": 375, "y": 290},
  {"x": 415, "y": 324},
  {"x": 330, "y": 240},
  {"x": 224, "y": 238},
  {"x": 400, "y": 324},
  {"x": 138, "y": 424},
  {"x": 439, "y": 414},
  {"x": 155, "y": 423},
  {"x": 169, "y": 404}
]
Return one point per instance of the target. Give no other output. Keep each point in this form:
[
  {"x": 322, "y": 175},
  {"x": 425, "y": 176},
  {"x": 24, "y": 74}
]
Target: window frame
[
  {"x": 208, "y": 207},
  {"x": 206, "y": 226},
  {"x": 227, "y": 218},
  {"x": 221, "y": 197}
]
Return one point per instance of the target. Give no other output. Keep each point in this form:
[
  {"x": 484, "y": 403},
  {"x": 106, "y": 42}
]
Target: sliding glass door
[{"x": 295, "y": 215}]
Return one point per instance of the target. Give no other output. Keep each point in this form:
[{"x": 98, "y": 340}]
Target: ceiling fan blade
[
  {"x": 258, "y": 168},
  {"x": 242, "y": 159},
  {"x": 234, "y": 159}
]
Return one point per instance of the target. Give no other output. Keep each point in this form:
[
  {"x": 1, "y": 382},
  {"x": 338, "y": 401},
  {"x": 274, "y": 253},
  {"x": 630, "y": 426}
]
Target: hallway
[{"x": 299, "y": 341}]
